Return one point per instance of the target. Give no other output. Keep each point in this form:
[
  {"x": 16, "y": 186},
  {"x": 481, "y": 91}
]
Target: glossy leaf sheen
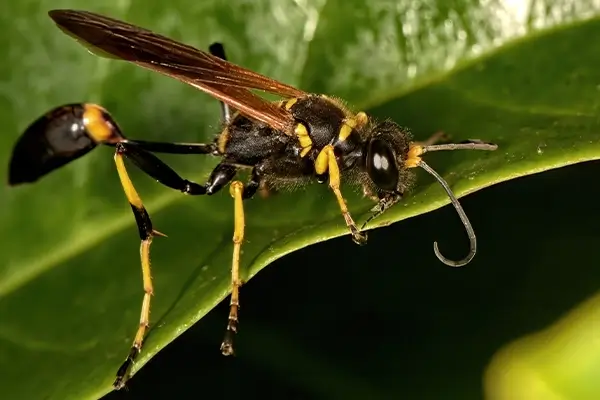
[{"x": 515, "y": 73}]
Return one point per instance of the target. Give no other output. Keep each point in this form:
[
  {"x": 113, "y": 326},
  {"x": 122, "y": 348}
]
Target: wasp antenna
[
  {"x": 466, "y": 145},
  {"x": 463, "y": 218}
]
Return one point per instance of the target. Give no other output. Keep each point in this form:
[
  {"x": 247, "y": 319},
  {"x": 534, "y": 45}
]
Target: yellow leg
[
  {"x": 237, "y": 190},
  {"x": 326, "y": 162},
  {"x": 146, "y": 234}
]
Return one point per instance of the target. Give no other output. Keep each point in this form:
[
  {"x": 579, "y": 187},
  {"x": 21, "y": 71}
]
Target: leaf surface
[{"x": 520, "y": 75}]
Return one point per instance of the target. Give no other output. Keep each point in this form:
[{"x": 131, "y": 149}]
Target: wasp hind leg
[
  {"x": 157, "y": 169},
  {"x": 326, "y": 166},
  {"x": 146, "y": 232}
]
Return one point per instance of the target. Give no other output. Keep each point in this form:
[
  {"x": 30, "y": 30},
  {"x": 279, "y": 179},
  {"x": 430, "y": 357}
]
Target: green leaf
[{"x": 70, "y": 287}]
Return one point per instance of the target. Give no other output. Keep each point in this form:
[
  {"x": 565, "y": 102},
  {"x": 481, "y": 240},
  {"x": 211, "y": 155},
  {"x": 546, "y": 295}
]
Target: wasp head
[{"x": 385, "y": 159}]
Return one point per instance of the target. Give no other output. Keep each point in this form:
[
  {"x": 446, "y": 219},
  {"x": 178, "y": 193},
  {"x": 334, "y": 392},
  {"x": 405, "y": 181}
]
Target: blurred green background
[{"x": 332, "y": 320}]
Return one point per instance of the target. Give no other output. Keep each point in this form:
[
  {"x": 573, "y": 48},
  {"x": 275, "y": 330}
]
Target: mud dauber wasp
[{"x": 299, "y": 139}]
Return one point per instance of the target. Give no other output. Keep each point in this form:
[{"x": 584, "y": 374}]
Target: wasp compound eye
[{"x": 381, "y": 165}]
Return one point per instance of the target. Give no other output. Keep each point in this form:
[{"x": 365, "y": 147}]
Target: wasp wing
[{"x": 223, "y": 80}]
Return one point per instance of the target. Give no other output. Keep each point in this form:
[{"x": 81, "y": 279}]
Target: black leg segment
[
  {"x": 219, "y": 177},
  {"x": 174, "y": 148},
  {"x": 253, "y": 184},
  {"x": 216, "y": 49},
  {"x": 157, "y": 169}
]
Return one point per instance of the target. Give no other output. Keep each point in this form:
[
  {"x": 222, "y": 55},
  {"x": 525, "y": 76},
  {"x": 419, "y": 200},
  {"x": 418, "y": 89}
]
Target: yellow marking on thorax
[
  {"x": 414, "y": 156},
  {"x": 361, "y": 119},
  {"x": 97, "y": 127},
  {"x": 304, "y": 139},
  {"x": 290, "y": 103},
  {"x": 222, "y": 141},
  {"x": 350, "y": 123}
]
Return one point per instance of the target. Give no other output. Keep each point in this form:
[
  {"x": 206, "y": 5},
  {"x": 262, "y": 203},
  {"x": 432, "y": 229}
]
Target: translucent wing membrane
[{"x": 224, "y": 80}]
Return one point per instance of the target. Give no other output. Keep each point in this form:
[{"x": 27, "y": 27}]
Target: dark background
[{"x": 388, "y": 320}]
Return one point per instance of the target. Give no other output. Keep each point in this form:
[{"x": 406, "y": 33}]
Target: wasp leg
[
  {"x": 157, "y": 169},
  {"x": 173, "y": 148},
  {"x": 265, "y": 173},
  {"x": 384, "y": 202},
  {"x": 154, "y": 167},
  {"x": 326, "y": 163},
  {"x": 216, "y": 49},
  {"x": 221, "y": 175},
  {"x": 146, "y": 232},
  {"x": 239, "y": 192}
]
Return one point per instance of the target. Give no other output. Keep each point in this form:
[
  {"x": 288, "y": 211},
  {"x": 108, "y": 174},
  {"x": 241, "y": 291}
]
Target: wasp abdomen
[{"x": 59, "y": 137}]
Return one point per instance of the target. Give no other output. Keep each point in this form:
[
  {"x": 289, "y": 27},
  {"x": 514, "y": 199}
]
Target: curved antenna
[{"x": 463, "y": 218}]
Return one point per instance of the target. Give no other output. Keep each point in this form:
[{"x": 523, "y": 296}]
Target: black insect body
[
  {"x": 49, "y": 143},
  {"x": 280, "y": 160},
  {"x": 304, "y": 137}
]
